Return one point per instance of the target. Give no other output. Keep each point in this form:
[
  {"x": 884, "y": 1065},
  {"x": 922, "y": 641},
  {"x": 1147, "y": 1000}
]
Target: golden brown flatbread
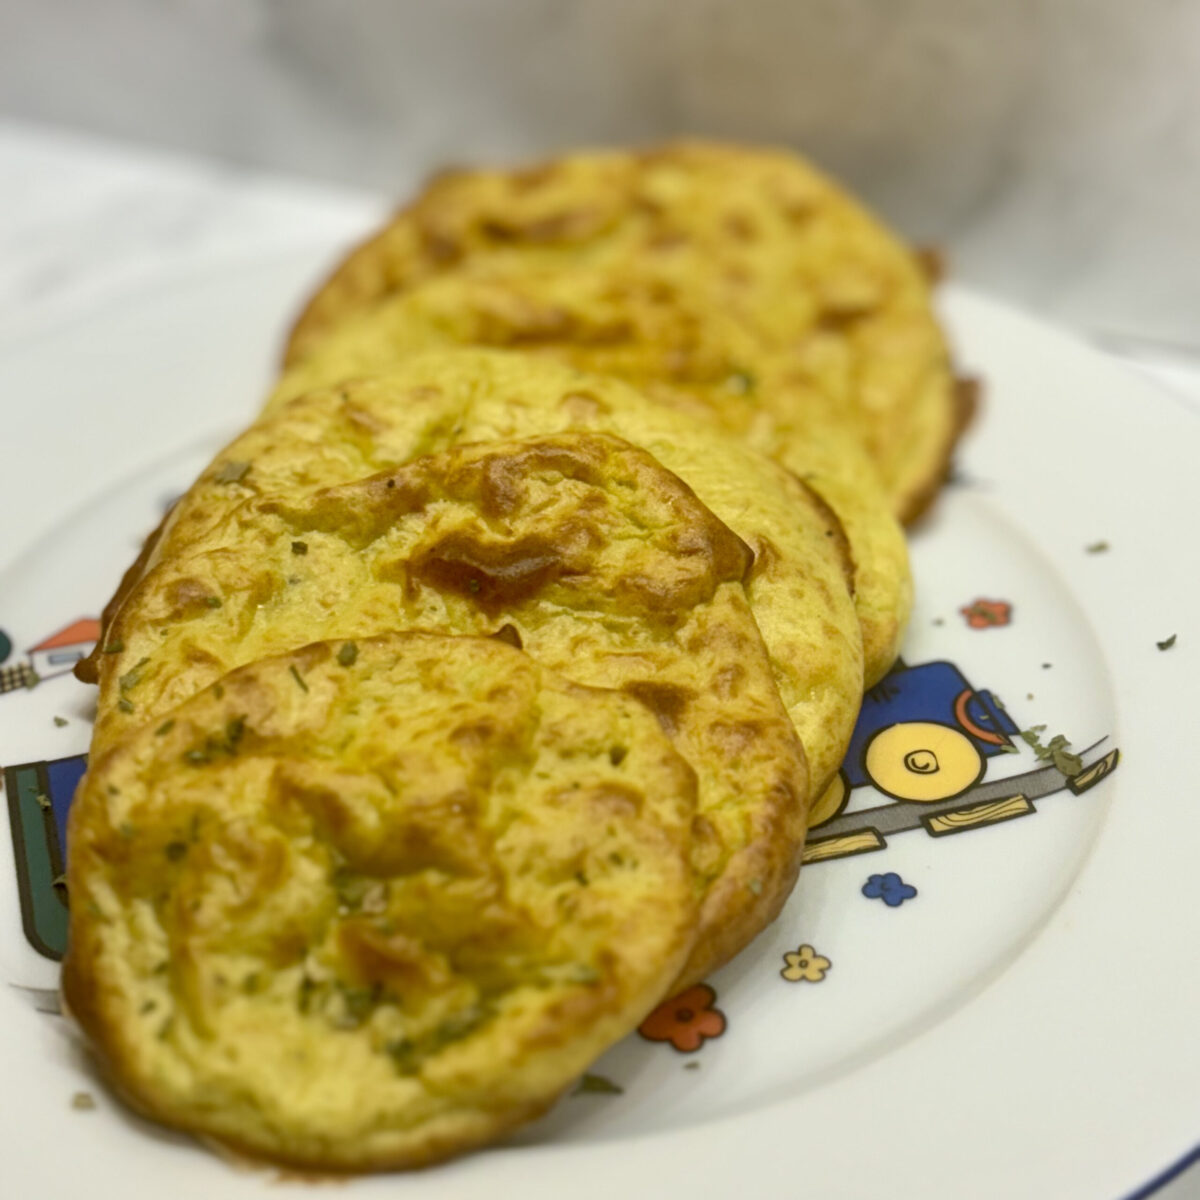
[{"x": 372, "y": 903}]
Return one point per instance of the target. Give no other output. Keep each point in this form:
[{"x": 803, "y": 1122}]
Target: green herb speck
[
  {"x": 404, "y": 1055},
  {"x": 84, "y": 1101},
  {"x": 1056, "y": 750},
  {"x": 60, "y": 721},
  {"x": 232, "y": 472},
  {"x": 213, "y": 601},
  {"x": 133, "y": 676},
  {"x": 298, "y": 677},
  {"x": 114, "y": 647},
  {"x": 348, "y": 654},
  {"x": 165, "y": 728},
  {"x": 124, "y": 705},
  {"x": 473, "y": 586},
  {"x": 304, "y": 997},
  {"x": 299, "y": 547},
  {"x": 597, "y": 1085},
  {"x": 175, "y": 850},
  {"x": 616, "y": 755},
  {"x": 694, "y": 1065},
  {"x": 1097, "y": 547},
  {"x": 1168, "y": 643},
  {"x": 740, "y": 382}
]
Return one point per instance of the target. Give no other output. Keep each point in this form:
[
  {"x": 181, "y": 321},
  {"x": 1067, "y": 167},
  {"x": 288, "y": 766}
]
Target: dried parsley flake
[
  {"x": 597, "y": 1085},
  {"x": 348, "y": 654},
  {"x": 298, "y": 677},
  {"x": 232, "y": 472},
  {"x": 1168, "y": 643}
]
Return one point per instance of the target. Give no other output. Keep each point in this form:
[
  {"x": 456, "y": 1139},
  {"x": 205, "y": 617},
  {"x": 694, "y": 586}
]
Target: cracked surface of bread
[
  {"x": 797, "y": 588},
  {"x": 738, "y": 279},
  {"x": 362, "y": 909},
  {"x": 579, "y": 547}
]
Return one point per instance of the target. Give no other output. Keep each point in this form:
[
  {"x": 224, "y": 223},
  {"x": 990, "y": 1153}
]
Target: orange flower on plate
[
  {"x": 686, "y": 1020},
  {"x": 983, "y": 614}
]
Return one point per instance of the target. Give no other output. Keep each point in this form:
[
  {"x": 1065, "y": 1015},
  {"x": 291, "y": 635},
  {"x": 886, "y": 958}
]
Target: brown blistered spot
[
  {"x": 731, "y": 559},
  {"x": 665, "y": 700},
  {"x": 440, "y": 243},
  {"x": 766, "y": 557},
  {"x": 739, "y": 226},
  {"x": 361, "y": 419},
  {"x": 583, "y": 407},
  {"x": 311, "y": 656},
  {"x": 735, "y": 737},
  {"x": 493, "y": 575},
  {"x": 728, "y": 681},
  {"x": 438, "y": 831},
  {"x": 195, "y": 656},
  {"x": 576, "y": 1010},
  {"x": 189, "y": 598},
  {"x": 530, "y": 179},
  {"x": 967, "y": 394},
  {"x": 475, "y": 735},
  {"x": 510, "y": 635},
  {"x": 615, "y": 799},
  {"x": 504, "y": 475},
  {"x": 360, "y": 512},
  {"x": 572, "y": 224},
  {"x": 667, "y": 239},
  {"x": 398, "y": 962},
  {"x": 931, "y": 261}
]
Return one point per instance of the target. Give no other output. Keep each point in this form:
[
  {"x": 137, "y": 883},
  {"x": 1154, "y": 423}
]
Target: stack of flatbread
[{"x": 474, "y": 700}]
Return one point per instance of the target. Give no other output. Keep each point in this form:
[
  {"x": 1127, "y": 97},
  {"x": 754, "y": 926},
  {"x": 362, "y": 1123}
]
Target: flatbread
[
  {"x": 355, "y": 909},
  {"x": 580, "y": 548}
]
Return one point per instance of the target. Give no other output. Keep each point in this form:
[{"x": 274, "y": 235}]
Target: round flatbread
[
  {"x": 741, "y": 277},
  {"x": 797, "y": 588},
  {"x": 579, "y": 547},
  {"x": 370, "y": 904},
  {"x": 765, "y": 411}
]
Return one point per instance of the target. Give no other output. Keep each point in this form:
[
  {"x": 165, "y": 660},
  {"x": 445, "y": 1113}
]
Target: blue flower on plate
[{"x": 889, "y": 888}]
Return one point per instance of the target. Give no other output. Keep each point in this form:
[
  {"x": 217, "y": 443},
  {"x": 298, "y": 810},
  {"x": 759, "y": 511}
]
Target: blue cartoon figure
[{"x": 924, "y": 737}]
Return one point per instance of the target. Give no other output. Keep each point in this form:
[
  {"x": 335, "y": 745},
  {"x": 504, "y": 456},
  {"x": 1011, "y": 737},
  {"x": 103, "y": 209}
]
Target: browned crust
[
  {"x": 87, "y": 670},
  {"x": 967, "y": 393},
  {"x": 754, "y": 887}
]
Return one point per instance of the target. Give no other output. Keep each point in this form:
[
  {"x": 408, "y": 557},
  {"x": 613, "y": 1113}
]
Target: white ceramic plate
[{"x": 990, "y": 992}]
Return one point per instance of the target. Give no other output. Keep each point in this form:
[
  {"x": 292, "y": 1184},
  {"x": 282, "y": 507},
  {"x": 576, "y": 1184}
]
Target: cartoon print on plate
[
  {"x": 889, "y": 888},
  {"x": 54, "y": 655},
  {"x": 986, "y": 614},
  {"x": 805, "y": 964},
  {"x": 924, "y": 738},
  {"x": 687, "y": 1021}
]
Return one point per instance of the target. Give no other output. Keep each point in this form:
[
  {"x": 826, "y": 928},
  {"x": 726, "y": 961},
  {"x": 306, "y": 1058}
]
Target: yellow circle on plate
[{"x": 922, "y": 760}]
